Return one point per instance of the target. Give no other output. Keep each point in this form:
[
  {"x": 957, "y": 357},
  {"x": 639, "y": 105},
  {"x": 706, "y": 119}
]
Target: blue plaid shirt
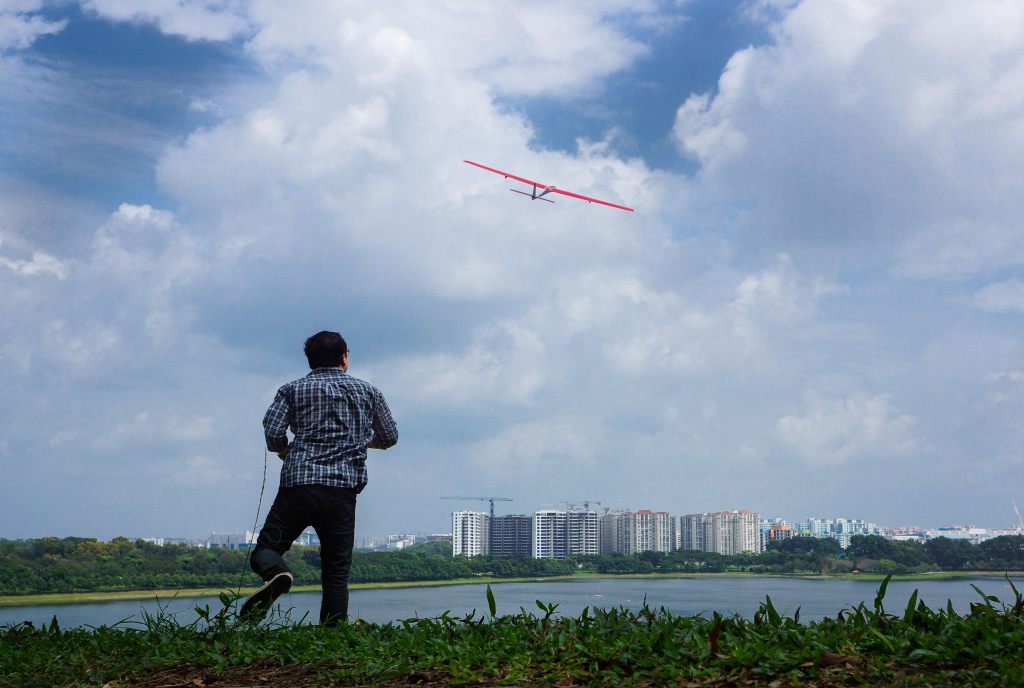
[{"x": 333, "y": 416}]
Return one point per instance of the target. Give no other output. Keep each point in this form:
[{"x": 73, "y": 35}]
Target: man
[{"x": 334, "y": 419}]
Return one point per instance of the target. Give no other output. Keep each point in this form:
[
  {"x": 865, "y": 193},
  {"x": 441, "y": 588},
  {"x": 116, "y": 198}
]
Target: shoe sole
[{"x": 259, "y": 603}]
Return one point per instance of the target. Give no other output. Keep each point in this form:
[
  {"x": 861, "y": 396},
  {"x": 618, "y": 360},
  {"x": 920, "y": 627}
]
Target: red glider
[{"x": 545, "y": 188}]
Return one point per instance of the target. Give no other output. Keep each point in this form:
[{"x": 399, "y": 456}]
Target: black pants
[{"x": 332, "y": 513}]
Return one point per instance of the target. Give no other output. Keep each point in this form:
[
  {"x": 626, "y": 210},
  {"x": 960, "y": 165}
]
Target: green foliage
[
  {"x": 441, "y": 548},
  {"x": 808, "y": 545},
  {"x": 956, "y": 555},
  {"x": 613, "y": 647},
  {"x": 64, "y": 565},
  {"x": 52, "y": 565}
]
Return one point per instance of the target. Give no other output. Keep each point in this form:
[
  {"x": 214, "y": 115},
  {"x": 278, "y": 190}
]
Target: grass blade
[
  {"x": 492, "y": 607},
  {"x": 881, "y": 594},
  {"x": 908, "y": 616}
]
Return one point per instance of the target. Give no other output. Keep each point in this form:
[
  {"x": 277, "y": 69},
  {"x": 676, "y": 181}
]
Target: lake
[{"x": 816, "y": 598}]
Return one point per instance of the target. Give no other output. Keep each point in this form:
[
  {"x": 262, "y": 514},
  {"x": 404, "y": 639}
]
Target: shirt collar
[{"x": 327, "y": 371}]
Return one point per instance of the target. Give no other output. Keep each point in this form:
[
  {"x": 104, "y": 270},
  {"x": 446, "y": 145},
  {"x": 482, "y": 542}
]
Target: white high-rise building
[
  {"x": 644, "y": 529},
  {"x": 655, "y": 531},
  {"x": 582, "y": 532},
  {"x": 470, "y": 533},
  {"x": 815, "y": 527},
  {"x": 841, "y": 529},
  {"x": 549, "y": 534},
  {"x": 724, "y": 532},
  {"x": 628, "y": 532},
  {"x": 242, "y": 540}
]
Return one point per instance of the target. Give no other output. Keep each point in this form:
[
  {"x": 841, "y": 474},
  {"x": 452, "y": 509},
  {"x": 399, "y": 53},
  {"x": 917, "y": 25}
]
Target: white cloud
[
  {"x": 552, "y": 447},
  {"x": 523, "y": 48},
  {"x": 1001, "y": 297},
  {"x": 20, "y": 27},
  {"x": 1005, "y": 387},
  {"x": 883, "y": 127},
  {"x": 195, "y": 20},
  {"x": 147, "y": 248},
  {"x": 527, "y": 48},
  {"x": 86, "y": 349},
  {"x": 198, "y": 471},
  {"x": 780, "y": 295},
  {"x": 501, "y": 368},
  {"x": 526, "y": 339},
  {"x": 162, "y": 427},
  {"x": 40, "y": 264},
  {"x": 142, "y": 215},
  {"x": 838, "y": 430},
  {"x": 745, "y": 329}
]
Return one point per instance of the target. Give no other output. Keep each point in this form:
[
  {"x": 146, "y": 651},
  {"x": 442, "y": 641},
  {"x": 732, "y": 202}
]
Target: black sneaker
[{"x": 259, "y": 603}]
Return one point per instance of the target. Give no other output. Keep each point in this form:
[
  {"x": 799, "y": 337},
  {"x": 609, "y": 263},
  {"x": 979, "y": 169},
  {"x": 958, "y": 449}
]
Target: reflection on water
[{"x": 685, "y": 596}]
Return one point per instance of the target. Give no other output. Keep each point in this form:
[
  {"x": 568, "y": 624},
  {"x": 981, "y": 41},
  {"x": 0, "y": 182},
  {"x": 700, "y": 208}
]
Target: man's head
[{"x": 326, "y": 350}]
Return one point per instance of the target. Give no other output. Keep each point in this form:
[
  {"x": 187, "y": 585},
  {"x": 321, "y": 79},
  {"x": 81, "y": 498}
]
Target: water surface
[{"x": 816, "y": 598}]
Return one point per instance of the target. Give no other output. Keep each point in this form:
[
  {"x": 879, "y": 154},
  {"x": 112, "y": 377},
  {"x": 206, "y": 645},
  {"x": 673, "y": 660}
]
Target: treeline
[
  {"x": 62, "y": 565},
  {"x": 54, "y": 565},
  {"x": 866, "y": 553}
]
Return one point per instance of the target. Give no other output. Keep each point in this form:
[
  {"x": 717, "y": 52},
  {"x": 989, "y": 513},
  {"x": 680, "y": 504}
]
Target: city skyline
[{"x": 1012, "y": 525}]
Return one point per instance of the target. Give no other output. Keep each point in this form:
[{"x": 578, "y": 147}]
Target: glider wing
[
  {"x": 588, "y": 199},
  {"x": 546, "y": 188},
  {"x": 509, "y": 175}
]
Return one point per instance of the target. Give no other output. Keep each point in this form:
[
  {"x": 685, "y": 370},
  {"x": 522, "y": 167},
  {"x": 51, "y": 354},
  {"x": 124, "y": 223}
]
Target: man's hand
[{"x": 283, "y": 453}]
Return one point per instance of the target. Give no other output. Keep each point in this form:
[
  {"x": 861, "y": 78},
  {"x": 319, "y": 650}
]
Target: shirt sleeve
[
  {"x": 275, "y": 422},
  {"x": 385, "y": 431}
]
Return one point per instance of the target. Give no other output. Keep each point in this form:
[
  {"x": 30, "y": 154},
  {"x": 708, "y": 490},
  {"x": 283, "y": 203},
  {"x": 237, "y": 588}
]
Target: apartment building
[
  {"x": 582, "y": 532},
  {"x": 512, "y": 535},
  {"x": 724, "y": 532},
  {"x": 618, "y": 532},
  {"x": 470, "y": 533},
  {"x": 549, "y": 534},
  {"x": 627, "y": 532}
]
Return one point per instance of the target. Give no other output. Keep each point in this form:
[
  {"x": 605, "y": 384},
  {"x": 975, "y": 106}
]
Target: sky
[{"x": 816, "y": 309}]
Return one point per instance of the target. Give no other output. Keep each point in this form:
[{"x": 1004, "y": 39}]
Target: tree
[
  {"x": 869, "y": 547},
  {"x": 1005, "y": 551},
  {"x": 908, "y": 553},
  {"x": 954, "y": 554},
  {"x": 807, "y": 545},
  {"x": 440, "y": 548}
]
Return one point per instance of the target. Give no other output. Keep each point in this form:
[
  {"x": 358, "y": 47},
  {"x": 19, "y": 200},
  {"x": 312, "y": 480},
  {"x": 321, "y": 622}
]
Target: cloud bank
[{"x": 829, "y": 290}]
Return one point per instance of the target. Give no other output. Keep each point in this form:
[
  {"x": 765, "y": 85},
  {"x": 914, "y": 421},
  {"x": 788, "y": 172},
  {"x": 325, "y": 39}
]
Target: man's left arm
[{"x": 385, "y": 431}]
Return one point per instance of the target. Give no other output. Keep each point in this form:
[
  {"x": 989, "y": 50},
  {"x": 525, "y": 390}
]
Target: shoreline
[{"x": 121, "y": 595}]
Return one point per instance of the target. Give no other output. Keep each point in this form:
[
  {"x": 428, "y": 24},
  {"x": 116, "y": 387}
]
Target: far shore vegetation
[{"x": 55, "y": 570}]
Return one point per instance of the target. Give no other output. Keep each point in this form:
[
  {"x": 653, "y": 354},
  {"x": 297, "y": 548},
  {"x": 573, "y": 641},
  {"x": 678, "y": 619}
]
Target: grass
[{"x": 864, "y": 645}]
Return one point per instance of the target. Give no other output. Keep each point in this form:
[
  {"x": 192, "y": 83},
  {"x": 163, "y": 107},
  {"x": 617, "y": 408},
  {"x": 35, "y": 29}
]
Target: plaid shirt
[{"x": 333, "y": 416}]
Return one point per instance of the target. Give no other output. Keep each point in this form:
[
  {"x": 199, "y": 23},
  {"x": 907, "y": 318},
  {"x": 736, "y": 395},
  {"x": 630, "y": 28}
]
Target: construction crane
[
  {"x": 585, "y": 502},
  {"x": 492, "y": 500},
  {"x": 1017, "y": 511}
]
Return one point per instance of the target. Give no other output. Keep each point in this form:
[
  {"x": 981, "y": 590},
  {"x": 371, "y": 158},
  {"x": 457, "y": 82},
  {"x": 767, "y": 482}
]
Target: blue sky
[{"x": 816, "y": 309}]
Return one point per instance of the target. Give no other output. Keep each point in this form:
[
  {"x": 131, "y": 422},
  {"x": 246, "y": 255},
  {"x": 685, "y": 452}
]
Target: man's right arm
[{"x": 275, "y": 424}]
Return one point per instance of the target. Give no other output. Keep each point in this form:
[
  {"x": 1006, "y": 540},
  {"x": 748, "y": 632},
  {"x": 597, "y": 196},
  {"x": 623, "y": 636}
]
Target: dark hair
[{"x": 325, "y": 349}]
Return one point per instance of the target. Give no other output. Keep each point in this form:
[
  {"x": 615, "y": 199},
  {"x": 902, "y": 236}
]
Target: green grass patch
[{"x": 915, "y": 646}]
